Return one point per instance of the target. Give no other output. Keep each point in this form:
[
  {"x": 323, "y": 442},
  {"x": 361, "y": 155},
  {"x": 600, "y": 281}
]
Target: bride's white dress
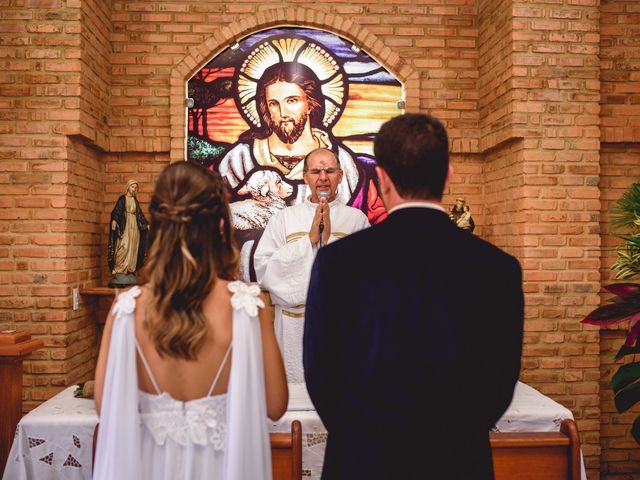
[{"x": 154, "y": 436}]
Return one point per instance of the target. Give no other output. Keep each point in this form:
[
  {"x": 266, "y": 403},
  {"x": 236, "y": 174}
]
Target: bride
[{"x": 189, "y": 367}]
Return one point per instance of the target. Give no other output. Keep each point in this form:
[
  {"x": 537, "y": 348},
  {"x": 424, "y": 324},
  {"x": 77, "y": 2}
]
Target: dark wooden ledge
[{"x": 99, "y": 291}]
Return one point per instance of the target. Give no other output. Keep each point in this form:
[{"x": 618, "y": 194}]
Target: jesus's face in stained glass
[{"x": 288, "y": 110}]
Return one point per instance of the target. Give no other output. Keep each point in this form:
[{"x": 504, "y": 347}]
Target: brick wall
[
  {"x": 92, "y": 94},
  {"x": 620, "y": 167},
  {"x": 67, "y": 258},
  {"x": 620, "y": 65},
  {"x": 95, "y": 76},
  {"x": 502, "y": 202},
  {"x": 50, "y": 190},
  {"x": 494, "y": 87}
]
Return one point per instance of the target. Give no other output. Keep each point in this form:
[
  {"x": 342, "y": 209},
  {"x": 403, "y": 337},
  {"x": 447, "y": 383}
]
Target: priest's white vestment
[{"x": 283, "y": 261}]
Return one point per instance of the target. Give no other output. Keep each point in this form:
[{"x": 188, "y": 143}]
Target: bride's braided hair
[
  {"x": 191, "y": 246},
  {"x": 183, "y": 213}
]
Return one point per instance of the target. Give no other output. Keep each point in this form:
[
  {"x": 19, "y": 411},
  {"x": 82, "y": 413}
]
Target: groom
[{"x": 407, "y": 376}]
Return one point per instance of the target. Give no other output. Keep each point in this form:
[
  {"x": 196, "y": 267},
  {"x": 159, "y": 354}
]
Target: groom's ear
[
  {"x": 387, "y": 190},
  {"x": 383, "y": 180}
]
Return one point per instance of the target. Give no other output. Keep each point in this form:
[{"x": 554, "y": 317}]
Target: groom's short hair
[{"x": 414, "y": 151}]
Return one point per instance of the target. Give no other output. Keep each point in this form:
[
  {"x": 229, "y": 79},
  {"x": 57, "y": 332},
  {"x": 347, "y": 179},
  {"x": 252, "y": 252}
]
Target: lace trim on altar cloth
[{"x": 200, "y": 422}]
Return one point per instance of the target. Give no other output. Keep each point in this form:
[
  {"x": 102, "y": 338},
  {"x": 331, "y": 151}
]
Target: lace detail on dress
[
  {"x": 201, "y": 422},
  {"x": 247, "y": 296},
  {"x": 126, "y": 303}
]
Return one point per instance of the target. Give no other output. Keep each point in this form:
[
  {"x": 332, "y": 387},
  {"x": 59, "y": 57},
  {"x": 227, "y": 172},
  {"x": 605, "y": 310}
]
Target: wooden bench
[
  {"x": 516, "y": 456},
  {"x": 537, "y": 455}
]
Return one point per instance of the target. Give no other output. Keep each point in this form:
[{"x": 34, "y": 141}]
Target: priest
[{"x": 286, "y": 250}]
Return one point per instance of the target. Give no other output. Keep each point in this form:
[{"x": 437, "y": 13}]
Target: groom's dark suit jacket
[{"x": 412, "y": 344}]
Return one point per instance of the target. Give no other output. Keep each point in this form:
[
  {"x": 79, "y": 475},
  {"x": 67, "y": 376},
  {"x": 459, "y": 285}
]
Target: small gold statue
[{"x": 460, "y": 214}]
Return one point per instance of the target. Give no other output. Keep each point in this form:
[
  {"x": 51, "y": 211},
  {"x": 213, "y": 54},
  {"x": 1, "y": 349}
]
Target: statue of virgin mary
[{"x": 127, "y": 238}]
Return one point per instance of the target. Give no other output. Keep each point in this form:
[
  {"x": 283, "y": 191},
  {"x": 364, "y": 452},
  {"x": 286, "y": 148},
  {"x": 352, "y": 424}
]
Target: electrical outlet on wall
[{"x": 76, "y": 299}]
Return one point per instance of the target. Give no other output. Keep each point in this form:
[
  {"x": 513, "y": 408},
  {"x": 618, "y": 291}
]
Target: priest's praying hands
[{"x": 321, "y": 225}]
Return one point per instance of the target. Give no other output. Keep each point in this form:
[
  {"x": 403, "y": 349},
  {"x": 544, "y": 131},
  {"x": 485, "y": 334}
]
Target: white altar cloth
[
  {"x": 54, "y": 441},
  {"x": 531, "y": 411}
]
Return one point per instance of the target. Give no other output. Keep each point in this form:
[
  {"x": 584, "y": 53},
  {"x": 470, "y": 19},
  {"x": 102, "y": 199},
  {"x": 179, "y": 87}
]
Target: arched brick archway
[{"x": 300, "y": 17}]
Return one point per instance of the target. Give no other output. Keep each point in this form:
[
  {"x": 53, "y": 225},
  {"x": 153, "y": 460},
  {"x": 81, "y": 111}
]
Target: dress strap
[
  {"x": 147, "y": 368},
  {"x": 224, "y": 361}
]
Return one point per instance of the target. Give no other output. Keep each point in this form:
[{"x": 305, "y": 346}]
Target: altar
[{"x": 54, "y": 441}]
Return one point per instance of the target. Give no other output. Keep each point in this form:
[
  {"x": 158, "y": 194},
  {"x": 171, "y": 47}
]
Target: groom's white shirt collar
[{"x": 417, "y": 204}]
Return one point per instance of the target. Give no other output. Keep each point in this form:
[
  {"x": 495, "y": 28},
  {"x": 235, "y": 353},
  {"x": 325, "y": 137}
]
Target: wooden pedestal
[{"x": 14, "y": 346}]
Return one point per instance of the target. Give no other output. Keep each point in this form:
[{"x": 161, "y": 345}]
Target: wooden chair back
[
  {"x": 537, "y": 455},
  {"x": 286, "y": 453}
]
